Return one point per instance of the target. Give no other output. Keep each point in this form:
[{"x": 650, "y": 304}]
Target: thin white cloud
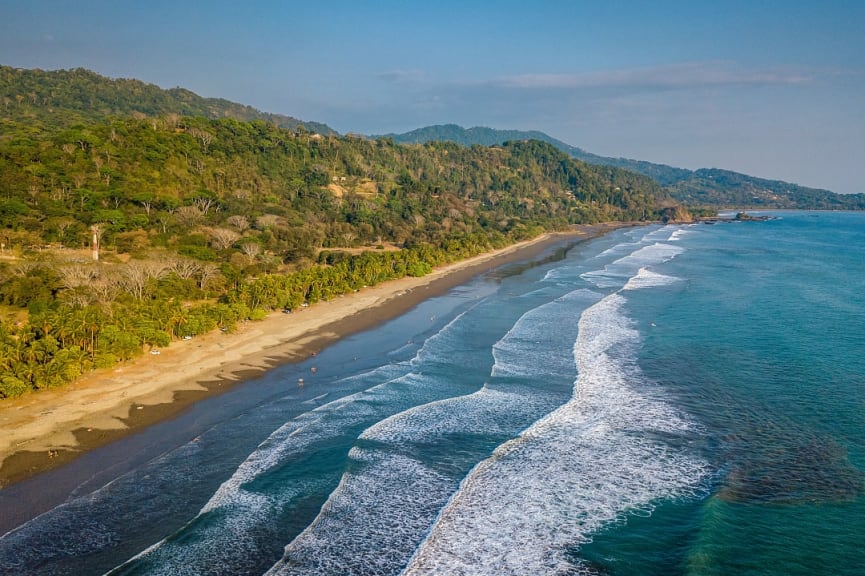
[
  {"x": 403, "y": 76},
  {"x": 686, "y": 75}
]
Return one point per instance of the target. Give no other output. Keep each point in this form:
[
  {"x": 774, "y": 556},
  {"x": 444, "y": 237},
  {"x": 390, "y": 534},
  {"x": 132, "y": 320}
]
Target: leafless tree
[
  {"x": 77, "y": 281},
  {"x": 204, "y": 204},
  {"x": 172, "y": 120},
  {"x": 269, "y": 262},
  {"x": 25, "y": 268},
  {"x": 266, "y": 221},
  {"x": 77, "y": 297},
  {"x": 77, "y": 275},
  {"x": 105, "y": 287},
  {"x": 164, "y": 220},
  {"x": 251, "y": 249},
  {"x": 223, "y": 238},
  {"x": 185, "y": 268},
  {"x": 238, "y": 221},
  {"x": 147, "y": 205},
  {"x": 34, "y": 189},
  {"x": 203, "y": 136},
  {"x": 206, "y": 273},
  {"x": 136, "y": 275},
  {"x": 188, "y": 216},
  {"x": 241, "y": 193}
]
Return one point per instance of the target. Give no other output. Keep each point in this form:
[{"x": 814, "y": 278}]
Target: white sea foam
[
  {"x": 635, "y": 239},
  {"x": 645, "y": 278},
  {"x": 433, "y": 420},
  {"x": 391, "y": 499},
  {"x": 583, "y": 466},
  {"x": 680, "y": 233},
  {"x": 561, "y": 275},
  {"x": 615, "y": 274},
  {"x": 672, "y": 233},
  {"x": 387, "y": 501},
  {"x": 622, "y": 248},
  {"x": 317, "y": 399},
  {"x": 638, "y": 233},
  {"x": 658, "y": 234},
  {"x": 538, "y": 342},
  {"x": 656, "y": 253}
]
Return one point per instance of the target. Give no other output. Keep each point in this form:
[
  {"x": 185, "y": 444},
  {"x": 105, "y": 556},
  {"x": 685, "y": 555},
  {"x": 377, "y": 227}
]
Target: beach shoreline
[{"x": 45, "y": 430}]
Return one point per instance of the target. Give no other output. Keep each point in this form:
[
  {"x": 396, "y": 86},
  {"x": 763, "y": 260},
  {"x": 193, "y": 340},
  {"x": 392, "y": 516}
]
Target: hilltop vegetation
[
  {"x": 67, "y": 97},
  {"x": 204, "y": 222},
  {"x": 695, "y": 188}
]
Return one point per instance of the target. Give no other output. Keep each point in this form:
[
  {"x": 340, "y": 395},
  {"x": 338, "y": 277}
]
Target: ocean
[{"x": 663, "y": 400}]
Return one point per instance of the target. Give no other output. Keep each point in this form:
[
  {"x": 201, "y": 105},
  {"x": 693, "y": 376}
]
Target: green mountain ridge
[
  {"x": 83, "y": 96},
  {"x": 703, "y": 187}
]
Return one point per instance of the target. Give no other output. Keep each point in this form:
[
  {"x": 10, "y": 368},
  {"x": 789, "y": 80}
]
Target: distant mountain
[
  {"x": 78, "y": 95},
  {"x": 703, "y": 187},
  {"x": 661, "y": 173}
]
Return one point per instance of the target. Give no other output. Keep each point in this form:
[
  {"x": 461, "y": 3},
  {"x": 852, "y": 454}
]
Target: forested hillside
[
  {"x": 202, "y": 222},
  {"x": 65, "y": 97},
  {"x": 695, "y": 188}
]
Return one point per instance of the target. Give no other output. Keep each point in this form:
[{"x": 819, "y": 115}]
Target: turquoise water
[{"x": 662, "y": 400}]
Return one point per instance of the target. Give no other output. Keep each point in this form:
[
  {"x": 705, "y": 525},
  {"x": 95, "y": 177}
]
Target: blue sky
[{"x": 771, "y": 88}]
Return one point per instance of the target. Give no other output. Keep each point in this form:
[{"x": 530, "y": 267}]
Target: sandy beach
[{"x": 46, "y": 429}]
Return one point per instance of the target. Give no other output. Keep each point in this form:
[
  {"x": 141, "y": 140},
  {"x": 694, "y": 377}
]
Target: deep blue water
[{"x": 662, "y": 400}]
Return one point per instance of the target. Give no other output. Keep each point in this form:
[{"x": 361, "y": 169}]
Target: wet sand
[{"x": 44, "y": 430}]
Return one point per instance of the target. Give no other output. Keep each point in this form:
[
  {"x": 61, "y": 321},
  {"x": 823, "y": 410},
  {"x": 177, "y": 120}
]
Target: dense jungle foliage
[{"x": 203, "y": 222}]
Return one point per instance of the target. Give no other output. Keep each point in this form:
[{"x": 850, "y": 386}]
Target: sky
[{"x": 771, "y": 88}]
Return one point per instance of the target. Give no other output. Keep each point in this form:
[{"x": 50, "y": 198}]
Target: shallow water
[{"x": 662, "y": 400}]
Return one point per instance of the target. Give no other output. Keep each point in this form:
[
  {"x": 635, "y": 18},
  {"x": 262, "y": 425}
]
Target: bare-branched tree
[
  {"x": 185, "y": 268},
  {"x": 135, "y": 276},
  {"x": 203, "y": 136},
  {"x": 238, "y": 221},
  {"x": 222, "y": 238},
  {"x": 77, "y": 275},
  {"x": 251, "y": 249},
  {"x": 204, "y": 204},
  {"x": 188, "y": 216},
  {"x": 266, "y": 221},
  {"x": 206, "y": 274}
]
